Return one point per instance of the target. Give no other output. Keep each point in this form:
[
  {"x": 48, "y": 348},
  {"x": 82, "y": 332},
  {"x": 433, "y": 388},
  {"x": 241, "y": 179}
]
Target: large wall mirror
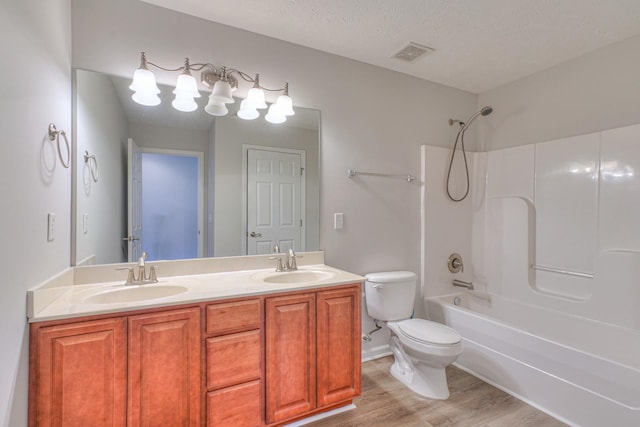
[{"x": 184, "y": 185}]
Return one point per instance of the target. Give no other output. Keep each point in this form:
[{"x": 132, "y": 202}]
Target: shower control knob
[{"x": 455, "y": 263}]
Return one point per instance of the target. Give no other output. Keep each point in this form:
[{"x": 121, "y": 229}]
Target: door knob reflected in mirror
[{"x": 254, "y": 234}]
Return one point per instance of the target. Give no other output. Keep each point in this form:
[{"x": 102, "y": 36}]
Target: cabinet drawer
[
  {"x": 234, "y": 316},
  {"x": 238, "y": 406},
  {"x": 233, "y": 359}
]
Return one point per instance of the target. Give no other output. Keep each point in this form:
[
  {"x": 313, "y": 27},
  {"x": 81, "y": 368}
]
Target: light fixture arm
[
  {"x": 144, "y": 64},
  {"x": 255, "y": 80}
]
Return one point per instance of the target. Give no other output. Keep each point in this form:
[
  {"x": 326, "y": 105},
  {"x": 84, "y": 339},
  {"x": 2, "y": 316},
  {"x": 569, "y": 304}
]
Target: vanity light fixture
[{"x": 222, "y": 82}]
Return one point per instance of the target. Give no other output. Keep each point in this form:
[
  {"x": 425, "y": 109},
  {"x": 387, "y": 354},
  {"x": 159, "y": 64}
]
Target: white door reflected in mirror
[{"x": 275, "y": 206}]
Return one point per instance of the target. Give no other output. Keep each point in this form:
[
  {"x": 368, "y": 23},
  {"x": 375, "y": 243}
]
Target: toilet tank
[{"x": 390, "y": 295}]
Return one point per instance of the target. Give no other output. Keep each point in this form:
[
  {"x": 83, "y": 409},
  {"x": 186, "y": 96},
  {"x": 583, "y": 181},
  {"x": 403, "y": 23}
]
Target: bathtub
[{"x": 582, "y": 372}]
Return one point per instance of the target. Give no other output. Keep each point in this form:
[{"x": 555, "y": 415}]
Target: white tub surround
[
  {"x": 552, "y": 236},
  {"x": 83, "y": 291},
  {"x": 583, "y": 372}
]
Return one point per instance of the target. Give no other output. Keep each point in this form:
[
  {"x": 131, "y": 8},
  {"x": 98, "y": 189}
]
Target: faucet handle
[
  {"x": 279, "y": 266},
  {"x": 292, "y": 265},
  {"x": 130, "y": 275},
  {"x": 153, "y": 277}
]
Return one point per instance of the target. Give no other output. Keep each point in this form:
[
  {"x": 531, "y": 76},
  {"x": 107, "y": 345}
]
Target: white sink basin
[
  {"x": 135, "y": 293},
  {"x": 299, "y": 276}
]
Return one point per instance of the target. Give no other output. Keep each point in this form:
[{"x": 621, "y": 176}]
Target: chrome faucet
[
  {"x": 141, "y": 278},
  {"x": 463, "y": 284},
  {"x": 289, "y": 263}
]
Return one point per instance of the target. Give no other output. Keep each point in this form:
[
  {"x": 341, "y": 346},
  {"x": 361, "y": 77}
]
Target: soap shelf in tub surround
[{"x": 91, "y": 290}]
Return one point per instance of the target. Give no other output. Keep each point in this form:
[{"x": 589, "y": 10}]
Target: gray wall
[
  {"x": 36, "y": 90},
  {"x": 597, "y": 91}
]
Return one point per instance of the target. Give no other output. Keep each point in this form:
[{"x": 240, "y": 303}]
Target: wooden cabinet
[
  {"x": 313, "y": 352},
  {"x": 290, "y": 356},
  {"x": 253, "y": 362},
  {"x": 339, "y": 345},
  {"x": 234, "y": 363},
  {"x": 164, "y": 369},
  {"x": 80, "y": 371}
]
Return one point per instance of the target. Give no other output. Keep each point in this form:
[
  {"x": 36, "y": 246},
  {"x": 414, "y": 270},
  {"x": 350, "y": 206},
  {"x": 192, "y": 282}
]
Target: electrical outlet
[
  {"x": 51, "y": 226},
  {"x": 338, "y": 221}
]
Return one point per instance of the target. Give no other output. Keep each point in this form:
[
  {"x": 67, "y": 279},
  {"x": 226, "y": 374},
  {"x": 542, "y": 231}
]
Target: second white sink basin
[
  {"x": 299, "y": 276},
  {"x": 135, "y": 293}
]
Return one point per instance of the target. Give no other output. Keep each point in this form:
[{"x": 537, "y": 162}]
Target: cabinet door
[
  {"x": 164, "y": 369},
  {"x": 290, "y": 356},
  {"x": 339, "y": 347},
  {"x": 80, "y": 374}
]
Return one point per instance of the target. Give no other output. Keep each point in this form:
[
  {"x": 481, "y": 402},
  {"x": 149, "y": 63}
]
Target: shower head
[{"x": 484, "y": 111}]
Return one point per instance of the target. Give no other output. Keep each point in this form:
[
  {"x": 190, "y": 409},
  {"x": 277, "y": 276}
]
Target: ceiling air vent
[{"x": 412, "y": 52}]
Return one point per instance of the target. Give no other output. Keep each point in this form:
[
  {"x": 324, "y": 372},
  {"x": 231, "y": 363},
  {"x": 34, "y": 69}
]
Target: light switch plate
[
  {"x": 51, "y": 226},
  {"x": 338, "y": 221},
  {"x": 85, "y": 223}
]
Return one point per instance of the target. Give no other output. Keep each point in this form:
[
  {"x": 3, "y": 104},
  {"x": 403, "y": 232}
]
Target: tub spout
[{"x": 463, "y": 284}]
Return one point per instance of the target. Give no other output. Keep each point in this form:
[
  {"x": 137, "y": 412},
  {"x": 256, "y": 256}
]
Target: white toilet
[{"x": 421, "y": 348}]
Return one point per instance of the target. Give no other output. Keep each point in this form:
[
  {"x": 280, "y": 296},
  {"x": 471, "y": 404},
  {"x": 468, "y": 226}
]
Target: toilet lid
[{"x": 429, "y": 332}]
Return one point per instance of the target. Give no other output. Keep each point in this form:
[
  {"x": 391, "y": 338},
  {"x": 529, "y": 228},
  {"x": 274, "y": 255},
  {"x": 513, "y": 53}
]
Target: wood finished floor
[{"x": 473, "y": 403}]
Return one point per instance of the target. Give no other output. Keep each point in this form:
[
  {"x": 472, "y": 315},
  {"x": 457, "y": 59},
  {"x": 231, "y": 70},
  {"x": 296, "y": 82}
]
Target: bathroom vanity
[{"x": 236, "y": 348}]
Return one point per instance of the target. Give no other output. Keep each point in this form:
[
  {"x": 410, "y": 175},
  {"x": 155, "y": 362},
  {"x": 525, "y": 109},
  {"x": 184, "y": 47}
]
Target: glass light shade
[
  {"x": 275, "y": 115},
  {"x": 255, "y": 98},
  {"x": 285, "y": 105},
  {"x": 149, "y": 99},
  {"x": 187, "y": 85},
  {"x": 145, "y": 89},
  {"x": 221, "y": 93},
  {"x": 216, "y": 108},
  {"x": 145, "y": 81},
  {"x": 247, "y": 111},
  {"x": 184, "y": 102}
]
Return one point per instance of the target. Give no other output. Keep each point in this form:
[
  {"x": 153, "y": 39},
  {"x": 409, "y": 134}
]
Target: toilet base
[{"x": 425, "y": 380}]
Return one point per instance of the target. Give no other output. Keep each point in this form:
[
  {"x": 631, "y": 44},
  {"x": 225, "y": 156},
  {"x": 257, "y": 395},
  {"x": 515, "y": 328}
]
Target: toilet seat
[{"x": 428, "y": 332}]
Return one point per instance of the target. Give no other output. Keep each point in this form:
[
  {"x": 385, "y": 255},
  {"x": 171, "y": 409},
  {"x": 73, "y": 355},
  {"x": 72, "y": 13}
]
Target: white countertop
[{"x": 59, "y": 301}]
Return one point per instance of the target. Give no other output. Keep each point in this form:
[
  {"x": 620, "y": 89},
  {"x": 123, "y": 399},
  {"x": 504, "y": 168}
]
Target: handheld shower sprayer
[{"x": 484, "y": 111}]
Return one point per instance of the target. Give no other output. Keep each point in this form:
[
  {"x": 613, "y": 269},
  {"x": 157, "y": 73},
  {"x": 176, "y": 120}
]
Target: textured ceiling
[{"x": 480, "y": 44}]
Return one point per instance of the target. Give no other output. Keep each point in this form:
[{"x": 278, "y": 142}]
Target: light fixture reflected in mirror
[
  {"x": 275, "y": 115},
  {"x": 222, "y": 82},
  {"x": 144, "y": 85},
  {"x": 247, "y": 111}
]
